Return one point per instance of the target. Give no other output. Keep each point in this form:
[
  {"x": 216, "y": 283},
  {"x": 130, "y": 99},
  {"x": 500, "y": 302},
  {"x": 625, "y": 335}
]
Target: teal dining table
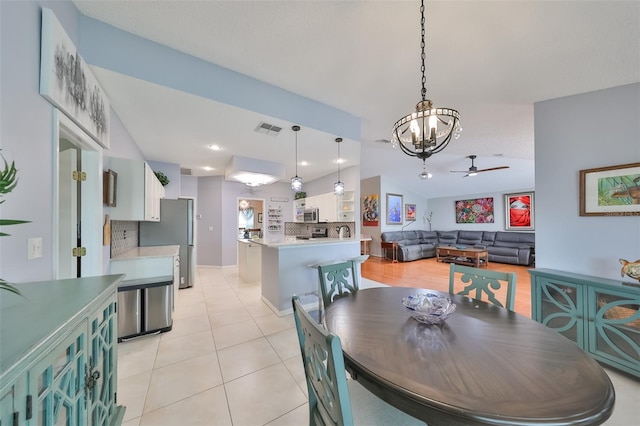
[{"x": 484, "y": 365}]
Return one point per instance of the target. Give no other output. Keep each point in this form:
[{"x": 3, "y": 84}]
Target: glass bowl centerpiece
[{"x": 429, "y": 308}]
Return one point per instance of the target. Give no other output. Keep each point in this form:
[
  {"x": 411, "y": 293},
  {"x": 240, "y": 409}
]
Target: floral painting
[
  {"x": 479, "y": 210},
  {"x": 370, "y": 210}
]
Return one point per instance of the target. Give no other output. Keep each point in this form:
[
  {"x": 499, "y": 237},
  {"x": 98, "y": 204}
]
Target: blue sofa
[{"x": 516, "y": 248}]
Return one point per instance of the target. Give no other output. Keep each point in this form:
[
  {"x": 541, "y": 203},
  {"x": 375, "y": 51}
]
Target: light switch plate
[{"x": 34, "y": 247}]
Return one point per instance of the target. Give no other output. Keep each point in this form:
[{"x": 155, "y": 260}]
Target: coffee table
[{"x": 469, "y": 256}]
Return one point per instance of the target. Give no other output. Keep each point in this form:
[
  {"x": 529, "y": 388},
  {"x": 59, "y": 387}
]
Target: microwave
[{"x": 311, "y": 215}]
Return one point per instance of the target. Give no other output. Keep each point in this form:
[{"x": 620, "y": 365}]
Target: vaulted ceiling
[{"x": 490, "y": 60}]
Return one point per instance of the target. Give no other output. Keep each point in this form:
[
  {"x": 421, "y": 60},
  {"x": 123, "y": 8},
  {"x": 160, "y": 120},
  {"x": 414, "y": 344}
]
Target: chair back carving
[
  {"x": 483, "y": 284},
  {"x": 324, "y": 371},
  {"x": 337, "y": 280}
]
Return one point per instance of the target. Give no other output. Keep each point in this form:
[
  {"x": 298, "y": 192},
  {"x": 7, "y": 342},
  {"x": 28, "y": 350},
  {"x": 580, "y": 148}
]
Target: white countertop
[
  {"x": 151, "y": 251},
  {"x": 291, "y": 241}
]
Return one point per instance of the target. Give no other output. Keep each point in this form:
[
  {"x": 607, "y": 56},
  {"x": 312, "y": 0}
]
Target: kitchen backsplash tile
[
  {"x": 294, "y": 228},
  {"x": 124, "y": 236}
]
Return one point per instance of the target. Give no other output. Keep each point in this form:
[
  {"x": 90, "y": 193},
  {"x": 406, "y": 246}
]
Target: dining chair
[
  {"x": 330, "y": 393},
  {"x": 482, "y": 281},
  {"x": 337, "y": 280}
]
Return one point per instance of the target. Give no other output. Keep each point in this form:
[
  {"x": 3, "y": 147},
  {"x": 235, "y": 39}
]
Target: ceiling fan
[{"x": 473, "y": 170}]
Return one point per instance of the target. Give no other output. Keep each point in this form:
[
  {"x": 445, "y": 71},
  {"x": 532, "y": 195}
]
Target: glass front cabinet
[
  {"x": 68, "y": 377},
  {"x": 602, "y": 316}
]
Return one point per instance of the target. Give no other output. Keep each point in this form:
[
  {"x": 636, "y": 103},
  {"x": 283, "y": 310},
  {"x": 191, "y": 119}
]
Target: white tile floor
[{"x": 229, "y": 360}]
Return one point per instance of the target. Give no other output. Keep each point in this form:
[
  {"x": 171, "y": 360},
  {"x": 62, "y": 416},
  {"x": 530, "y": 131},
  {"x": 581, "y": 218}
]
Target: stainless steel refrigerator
[{"x": 175, "y": 227}]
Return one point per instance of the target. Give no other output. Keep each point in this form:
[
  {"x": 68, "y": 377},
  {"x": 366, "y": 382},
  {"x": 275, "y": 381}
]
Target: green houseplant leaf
[{"x": 8, "y": 182}]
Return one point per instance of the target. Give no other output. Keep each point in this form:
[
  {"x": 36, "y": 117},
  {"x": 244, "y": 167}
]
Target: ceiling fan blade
[
  {"x": 459, "y": 171},
  {"x": 492, "y": 168}
]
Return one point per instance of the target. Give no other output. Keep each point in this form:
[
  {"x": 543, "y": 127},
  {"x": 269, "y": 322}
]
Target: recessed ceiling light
[
  {"x": 304, "y": 163},
  {"x": 340, "y": 161},
  {"x": 214, "y": 147},
  {"x": 207, "y": 168}
]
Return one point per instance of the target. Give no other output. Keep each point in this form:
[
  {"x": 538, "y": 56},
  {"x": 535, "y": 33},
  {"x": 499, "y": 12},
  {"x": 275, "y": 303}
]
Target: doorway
[
  {"x": 78, "y": 201},
  {"x": 250, "y": 217}
]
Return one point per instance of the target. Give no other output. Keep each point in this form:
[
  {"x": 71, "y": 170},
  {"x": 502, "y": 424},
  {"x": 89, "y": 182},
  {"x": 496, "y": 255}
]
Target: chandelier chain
[{"x": 423, "y": 56}]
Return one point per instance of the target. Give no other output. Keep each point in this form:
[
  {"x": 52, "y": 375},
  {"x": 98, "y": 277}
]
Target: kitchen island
[{"x": 288, "y": 266}]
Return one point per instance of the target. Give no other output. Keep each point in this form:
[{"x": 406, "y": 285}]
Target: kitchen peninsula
[{"x": 288, "y": 266}]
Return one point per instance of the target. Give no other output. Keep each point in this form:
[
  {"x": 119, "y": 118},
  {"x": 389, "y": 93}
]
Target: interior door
[{"x": 68, "y": 213}]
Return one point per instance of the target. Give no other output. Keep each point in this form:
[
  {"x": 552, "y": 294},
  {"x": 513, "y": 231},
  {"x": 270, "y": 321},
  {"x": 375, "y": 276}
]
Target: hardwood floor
[{"x": 428, "y": 273}]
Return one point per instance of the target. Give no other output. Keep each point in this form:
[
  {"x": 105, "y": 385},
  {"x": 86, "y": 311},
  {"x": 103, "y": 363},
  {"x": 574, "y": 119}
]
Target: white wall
[{"x": 579, "y": 132}]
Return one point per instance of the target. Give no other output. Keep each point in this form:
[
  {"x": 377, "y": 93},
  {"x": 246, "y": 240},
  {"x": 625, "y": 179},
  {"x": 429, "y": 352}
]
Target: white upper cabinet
[{"x": 138, "y": 193}]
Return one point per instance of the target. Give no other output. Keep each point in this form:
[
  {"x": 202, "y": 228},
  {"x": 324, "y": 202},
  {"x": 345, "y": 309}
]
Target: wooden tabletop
[{"x": 484, "y": 365}]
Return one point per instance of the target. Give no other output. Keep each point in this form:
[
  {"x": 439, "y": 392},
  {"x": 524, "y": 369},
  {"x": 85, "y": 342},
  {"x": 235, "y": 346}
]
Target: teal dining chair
[
  {"x": 323, "y": 364},
  {"x": 483, "y": 284},
  {"x": 330, "y": 393},
  {"x": 337, "y": 280}
]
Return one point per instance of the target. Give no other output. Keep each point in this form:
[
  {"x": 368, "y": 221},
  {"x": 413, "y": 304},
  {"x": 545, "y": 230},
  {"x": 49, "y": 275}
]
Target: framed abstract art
[{"x": 394, "y": 209}]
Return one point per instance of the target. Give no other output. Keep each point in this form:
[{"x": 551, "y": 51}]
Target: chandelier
[
  {"x": 296, "y": 182},
  {"x": 338, "y": 187},
  {"x": 429, "y": 129}
]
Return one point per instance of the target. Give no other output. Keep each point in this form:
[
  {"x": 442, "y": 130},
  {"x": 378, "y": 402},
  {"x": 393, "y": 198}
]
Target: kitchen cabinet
[
  {"x": 601, "y": 315},
  {"x": 331, "y": 207},
  {"x": 139, "y": 191},
  {"x": 60, "y": 366},
  {"x": 249, "y": 261},
  {"x": 346, "y": 207},
  {"x": 298, "y": 210},
  {"x": 327, "y": 207}
]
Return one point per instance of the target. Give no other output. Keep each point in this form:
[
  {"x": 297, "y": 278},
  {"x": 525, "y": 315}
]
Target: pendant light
[
  {"x": 338, "y": 187},
  {"x": 296, "y": 182},
  {"x": 429, "y": 129}
]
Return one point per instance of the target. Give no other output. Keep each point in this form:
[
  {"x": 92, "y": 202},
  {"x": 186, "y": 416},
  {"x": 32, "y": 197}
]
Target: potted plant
[
  {"x": 8, "y": 182},
  {"x": 164, "y": 180}
]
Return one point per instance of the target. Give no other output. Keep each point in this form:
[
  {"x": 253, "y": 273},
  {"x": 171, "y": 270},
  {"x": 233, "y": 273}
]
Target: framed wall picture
[
  {"x": 68, "y": 83},
  {"x": 519, "y": 211},
  {"x": 610, "y": 191},
  {"x": 394, "y": 209},
  {"x": 476, "y": 210},
  {"x": 370, "y": 210},
  {"x": 410, "y": 212}
]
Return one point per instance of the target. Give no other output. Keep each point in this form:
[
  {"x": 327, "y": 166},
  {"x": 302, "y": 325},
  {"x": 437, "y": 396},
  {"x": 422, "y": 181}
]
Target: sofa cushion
[
  {"x": 392, "y": 236},
  {"x": 469, "y": 238},
  {"x": 448, "y": 238},
  {"x": 428, "y": 237},
  {"x": 488, "y": 237}
]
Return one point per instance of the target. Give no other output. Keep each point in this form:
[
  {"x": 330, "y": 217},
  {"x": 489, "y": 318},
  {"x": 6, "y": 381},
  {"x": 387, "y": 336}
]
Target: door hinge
[
  {"x": 79, "y": 251},
  {"x": 29, "y": 408},
  {"x": 79, "y": 175}
]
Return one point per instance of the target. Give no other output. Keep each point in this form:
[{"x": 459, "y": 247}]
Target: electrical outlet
[
  {"x": 211, "y": 229},
  {"x": 34, "y": 248}
]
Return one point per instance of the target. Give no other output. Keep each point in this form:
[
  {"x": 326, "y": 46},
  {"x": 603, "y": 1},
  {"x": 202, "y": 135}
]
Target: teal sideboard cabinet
[
  {"x": 601, "y": 315},
  {"x": 58, "y": 354}
]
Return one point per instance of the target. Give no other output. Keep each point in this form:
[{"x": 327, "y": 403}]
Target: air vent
[
  {"x": 268, "y": 129},
  {"x": 185, "y": 172}
]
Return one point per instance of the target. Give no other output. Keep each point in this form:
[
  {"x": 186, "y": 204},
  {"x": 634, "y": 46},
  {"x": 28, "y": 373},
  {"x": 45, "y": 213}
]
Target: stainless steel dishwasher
[{"x": 145, "y": 306}]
